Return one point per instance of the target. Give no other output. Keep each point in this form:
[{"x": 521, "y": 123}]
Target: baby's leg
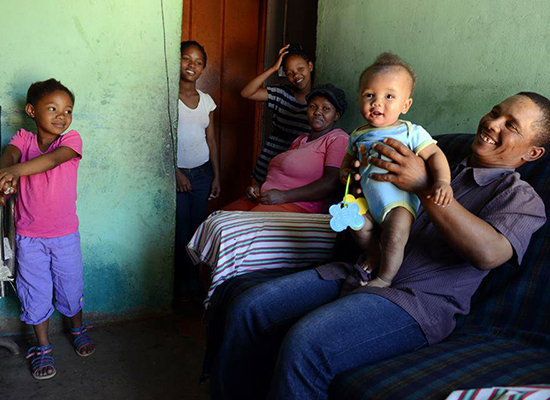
[
  {"x": 395, "y": 233},
  {"x": 367, "y": 239}
]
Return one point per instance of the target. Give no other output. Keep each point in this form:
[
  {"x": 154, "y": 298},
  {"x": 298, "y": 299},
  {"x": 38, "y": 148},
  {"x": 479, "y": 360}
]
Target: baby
[{"x": 385, "y": 90}]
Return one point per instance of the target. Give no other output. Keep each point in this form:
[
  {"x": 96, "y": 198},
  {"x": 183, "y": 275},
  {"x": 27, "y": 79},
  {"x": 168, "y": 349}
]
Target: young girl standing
[
  {"x": 43, "y": 167},
  {"x": 288, "y": 103},
  {"x": 197, "y": 173}
]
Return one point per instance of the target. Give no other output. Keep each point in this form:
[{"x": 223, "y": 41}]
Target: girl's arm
[
  {"x": 314, "y": 191},
  {"x": 213, "y": 147},
  {"x": 39, "y": 164},
  {"x": 10, "y": 156},
  {"x": 254, "y": 89}
]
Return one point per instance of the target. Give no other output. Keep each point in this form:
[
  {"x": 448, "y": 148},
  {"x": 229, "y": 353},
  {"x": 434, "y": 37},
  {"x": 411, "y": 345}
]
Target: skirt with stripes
[{"x": 232, "y": 243}]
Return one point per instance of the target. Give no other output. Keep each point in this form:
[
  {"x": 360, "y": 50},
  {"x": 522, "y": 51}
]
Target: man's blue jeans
[
  {"x": 191, "y": 211},
  {"x": 288, "y": 338}
]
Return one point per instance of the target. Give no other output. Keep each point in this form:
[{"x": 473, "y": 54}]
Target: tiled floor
[{"x": 152, "y": 359}]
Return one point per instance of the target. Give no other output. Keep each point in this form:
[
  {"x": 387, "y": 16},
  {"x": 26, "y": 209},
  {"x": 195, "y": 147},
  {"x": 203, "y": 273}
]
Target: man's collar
[{"x": 484, "y": 176}]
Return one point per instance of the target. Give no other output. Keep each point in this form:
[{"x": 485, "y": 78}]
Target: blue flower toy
[{"x": 348, "y": 212}]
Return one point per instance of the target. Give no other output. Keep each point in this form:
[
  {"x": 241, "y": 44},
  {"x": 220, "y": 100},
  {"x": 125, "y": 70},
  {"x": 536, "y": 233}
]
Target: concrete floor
[{"x": 152, "y": 359}]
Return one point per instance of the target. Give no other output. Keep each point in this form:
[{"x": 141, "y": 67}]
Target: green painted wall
[
  {"x": 110, "y": 53},
  {"x": 468, "y": 54}
]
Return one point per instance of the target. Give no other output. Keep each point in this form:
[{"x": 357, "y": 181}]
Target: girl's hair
[
  {"x": 384, "y": 62},
  {"x": 295, "y": 49},
  {"x": 40, "y": 89},
  {"x": 192, "y": 43}
]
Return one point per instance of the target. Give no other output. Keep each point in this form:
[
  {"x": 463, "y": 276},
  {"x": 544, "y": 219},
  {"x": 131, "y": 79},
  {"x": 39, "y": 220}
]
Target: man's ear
[
  {"x": 534, "y": 153},
  {"x": 407, "y": 105},
  {"x": 29, "y": 109},
  {"x": 310, "y": 65}
]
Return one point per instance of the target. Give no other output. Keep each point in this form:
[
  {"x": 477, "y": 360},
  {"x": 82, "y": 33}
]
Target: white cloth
[
  {"x": 535, "y": 392},
  {"x": 192, "y": 123}
]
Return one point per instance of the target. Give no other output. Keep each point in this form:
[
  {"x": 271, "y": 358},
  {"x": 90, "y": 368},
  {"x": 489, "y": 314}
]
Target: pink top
[
  {"x": 46, "y": 202},
  {"x": 304, "y": 163}
]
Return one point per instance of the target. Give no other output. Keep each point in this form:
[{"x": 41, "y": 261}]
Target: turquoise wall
[
  {"x": 110, "y": 53},
  {"x": 468, "y": 54}
]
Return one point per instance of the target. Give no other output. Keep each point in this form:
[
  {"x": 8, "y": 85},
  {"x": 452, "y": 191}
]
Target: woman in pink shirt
[{"x": 304, "y": 178}]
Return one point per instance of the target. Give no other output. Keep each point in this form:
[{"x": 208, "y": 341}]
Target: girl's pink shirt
[
  {"x": 304, "y": 163},
  {"x": 46, "y": 202}
]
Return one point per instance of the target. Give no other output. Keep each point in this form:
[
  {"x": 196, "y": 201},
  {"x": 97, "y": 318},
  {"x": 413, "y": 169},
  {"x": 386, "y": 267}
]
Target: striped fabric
[
  {"x": 289, "y": 121},
  {"x": 504, "y": 341},
  {"x": 502, "y": 393},
  {"x": 232, "y": 243}
]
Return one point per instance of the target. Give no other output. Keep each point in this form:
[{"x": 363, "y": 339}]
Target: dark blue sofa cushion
[{"x": 465, "y": 362}]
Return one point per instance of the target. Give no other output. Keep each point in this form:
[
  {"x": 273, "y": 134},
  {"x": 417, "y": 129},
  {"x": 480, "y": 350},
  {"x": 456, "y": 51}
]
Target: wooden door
[{"x": 233, "y": 35}]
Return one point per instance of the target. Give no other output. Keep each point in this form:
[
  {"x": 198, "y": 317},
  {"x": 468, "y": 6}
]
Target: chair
[{"x": 7, "y": 254}]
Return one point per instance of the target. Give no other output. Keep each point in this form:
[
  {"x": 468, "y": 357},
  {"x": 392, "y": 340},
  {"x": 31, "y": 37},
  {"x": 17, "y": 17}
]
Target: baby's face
[{"x": 384, "y": 96}]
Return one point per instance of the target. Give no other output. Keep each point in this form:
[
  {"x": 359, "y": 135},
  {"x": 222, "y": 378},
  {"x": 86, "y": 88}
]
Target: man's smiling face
[{"x": 506, "y": 135}]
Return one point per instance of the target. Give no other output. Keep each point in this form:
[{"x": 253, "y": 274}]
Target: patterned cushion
[
  {"x": 468, "y": 361},
  {"x": 505, "y": 340}
]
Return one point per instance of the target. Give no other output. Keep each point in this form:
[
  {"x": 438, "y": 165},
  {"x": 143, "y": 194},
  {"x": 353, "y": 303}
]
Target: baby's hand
[
  {"x": 344, "y": 173},
  {"x": 442, "y": 193}
]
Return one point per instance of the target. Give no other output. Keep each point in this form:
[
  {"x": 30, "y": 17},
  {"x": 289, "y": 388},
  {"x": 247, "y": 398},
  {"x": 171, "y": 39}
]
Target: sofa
[{"x": 503, "y": 341}]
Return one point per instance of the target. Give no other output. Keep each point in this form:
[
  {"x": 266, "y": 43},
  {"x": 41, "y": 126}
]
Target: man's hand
[
  {"x": 407, "y": 171},
  {"x": 182, "y": 183},
  {"x": 253, "y": 192},
  {"x": 273, "y": 197},
  {"x": 376, "y": 282}
]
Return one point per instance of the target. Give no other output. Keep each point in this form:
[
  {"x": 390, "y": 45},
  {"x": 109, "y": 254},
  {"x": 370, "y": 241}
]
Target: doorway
[{"x": 241, "y": 38}]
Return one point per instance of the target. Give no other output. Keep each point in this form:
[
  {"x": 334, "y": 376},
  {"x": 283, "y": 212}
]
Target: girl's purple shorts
[{"x": 49, "y": 269}]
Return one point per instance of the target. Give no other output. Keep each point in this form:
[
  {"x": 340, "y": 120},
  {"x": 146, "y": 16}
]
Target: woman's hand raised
[{"x": 282, "y": 53}]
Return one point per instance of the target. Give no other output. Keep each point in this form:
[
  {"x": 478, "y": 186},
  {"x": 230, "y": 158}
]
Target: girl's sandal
[
  {"x": 82, "y": 340},
  {"x": 41, "y": 360}
]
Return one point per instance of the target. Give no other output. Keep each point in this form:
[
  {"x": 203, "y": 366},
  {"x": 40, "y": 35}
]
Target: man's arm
[{"x": 470, "y": 236}]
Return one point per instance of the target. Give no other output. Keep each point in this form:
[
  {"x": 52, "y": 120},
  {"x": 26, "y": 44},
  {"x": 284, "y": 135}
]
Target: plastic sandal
[
  {"x": 40, "y": 359},
  {"x": 82, "y": 339}
]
